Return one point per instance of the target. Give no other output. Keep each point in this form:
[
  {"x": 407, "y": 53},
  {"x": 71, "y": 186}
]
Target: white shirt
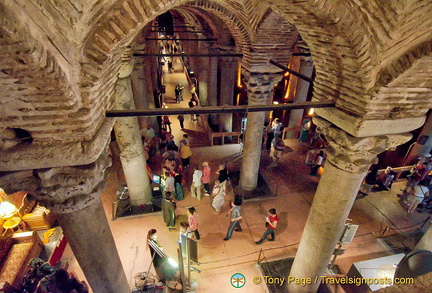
[
  {"x": 277, "y": 128},
  {"x": 196, "y": 178},
  {"x": 420, "y": 191},
  {"x": 148, "y": 133},
  {"x": 169, "y": 184}
]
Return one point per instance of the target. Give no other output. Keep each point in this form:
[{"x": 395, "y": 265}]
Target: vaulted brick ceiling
[{"x": 60, "y": 59}]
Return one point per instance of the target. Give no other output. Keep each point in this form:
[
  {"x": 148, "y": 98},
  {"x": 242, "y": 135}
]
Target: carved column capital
[
  {"x": 354, "y": 154},
  {"x": 62, "y": 189},
  {"x": 259, "y": 86}
]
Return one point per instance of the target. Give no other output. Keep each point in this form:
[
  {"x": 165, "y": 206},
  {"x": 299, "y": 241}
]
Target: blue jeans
[
  {"x": 231, "y": 228},
  {"x": 267, "y": 233}
]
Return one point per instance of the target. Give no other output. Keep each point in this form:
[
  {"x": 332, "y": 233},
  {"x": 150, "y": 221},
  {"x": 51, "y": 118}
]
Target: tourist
[
  {"x": 193, "y": 222},
  {"x": 418, "y": 173},
  {"x": 235, "y": 218},
  {"x": 223, "y": 176},
  {"x": 169, "y": 183},
  {"x": 271, "y": 224},
  {"x": 206, "y": 178},
  {"x": 417, "y": 195},
  {"x": 181, "y": 120},
  {"x": 196, "y": 183},
  {"x": 185, "y": 154},
  {"x": 166, "y": 122},
  {"x": 218, "y": 195},
  {"x": 318, "y": 163},
  {"x": 168, "y": 211}
]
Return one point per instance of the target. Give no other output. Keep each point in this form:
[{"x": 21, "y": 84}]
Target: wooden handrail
[{"x": 223, "y": 135}]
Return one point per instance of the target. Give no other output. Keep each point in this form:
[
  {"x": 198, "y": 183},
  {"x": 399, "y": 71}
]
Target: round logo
[{"x": 238, "y": 280}]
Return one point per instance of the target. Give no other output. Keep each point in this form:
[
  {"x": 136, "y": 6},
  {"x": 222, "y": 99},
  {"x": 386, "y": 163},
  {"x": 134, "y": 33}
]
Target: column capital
[
  {"x": 355, "y": 154},
  {"x": 259, "y": 86},
  {"x": 62, "y": 189}
]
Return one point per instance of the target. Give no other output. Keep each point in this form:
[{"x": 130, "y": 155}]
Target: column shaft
[
  {"x": 301, "y": 92},
  {"x": 92, "y": 243},
  {"x": 252, "y": 151},
  {"x": 131, "y": 148},
  {"x": 330, "y": 209},
  {"x": 426, "y": 241},
  {"x": 348, "y": 159},
  {"x": 260, "y": 86},
  {"x": 228, "y": 75}
]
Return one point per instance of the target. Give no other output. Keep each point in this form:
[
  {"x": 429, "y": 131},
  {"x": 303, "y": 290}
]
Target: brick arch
[
  {"x": 335, "y": 61},
  {"x": 33, "y": 85},
  {"x": 406, "y": 85},
  {"x": 274, "y": 36},
  {"x": 126, "y": 18},
  {"x": 355, "y": 45}
]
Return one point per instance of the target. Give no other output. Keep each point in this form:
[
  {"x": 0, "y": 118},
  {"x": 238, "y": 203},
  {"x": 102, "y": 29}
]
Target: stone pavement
[{"x": 378, "y": 214}]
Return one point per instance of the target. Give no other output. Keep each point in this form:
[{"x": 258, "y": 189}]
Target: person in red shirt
[
  {"x": 271, "y": 224},
  {"x": 193, "y": 222},
  {"x": 419, "y": 172}
]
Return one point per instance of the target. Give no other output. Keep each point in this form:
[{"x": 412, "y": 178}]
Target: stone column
[
  {"x": 348, "y": 159},
  {"x": 302, "y": 89},
  {"x": 213, "y": 86},
  {"x": 426, "y": 241},
  {"x": 259, "y": 87},
  {"x": 228, "y": 74},
  {"x": 73, "y": 195},
  {"x": 129, "y": 141},
  {"x": 424, "y": 149},
  {"x": 143, "y": 86},
  {"x": 203, "y": 77}
]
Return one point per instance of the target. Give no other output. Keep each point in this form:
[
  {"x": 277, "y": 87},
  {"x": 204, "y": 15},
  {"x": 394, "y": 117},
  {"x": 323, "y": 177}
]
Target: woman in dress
[{"x": 218, "y": 195}]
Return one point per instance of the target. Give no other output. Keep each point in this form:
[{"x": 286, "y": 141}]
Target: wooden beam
[
  {"x": 291, "y": 71},
  {"x": 216, "y": 109},
  {"x": 181, "y": 39},
  {"x": 186, "y": 55},
  {"x": 174, "y": 31}
]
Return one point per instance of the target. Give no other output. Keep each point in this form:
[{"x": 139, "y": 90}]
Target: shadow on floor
[{"x": 280, "y": 269}]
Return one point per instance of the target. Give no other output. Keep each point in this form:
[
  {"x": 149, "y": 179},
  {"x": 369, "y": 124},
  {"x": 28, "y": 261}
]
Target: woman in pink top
[
  {"x": 206, "y": 178},
  {"x": 193, "y": 222}
]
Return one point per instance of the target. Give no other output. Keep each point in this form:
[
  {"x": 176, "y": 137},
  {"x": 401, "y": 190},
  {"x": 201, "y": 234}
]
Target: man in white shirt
[
  {"x": 196, "y": 183},
  {"x": 148, "y": 133},
  {"x": 417, "y": 195},
  {"x": 169, "y": 183},
  {"x": 277, "y": 129}
]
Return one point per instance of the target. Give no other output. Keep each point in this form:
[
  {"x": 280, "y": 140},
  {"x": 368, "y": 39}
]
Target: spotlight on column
[{"x": 172, "y": 263}]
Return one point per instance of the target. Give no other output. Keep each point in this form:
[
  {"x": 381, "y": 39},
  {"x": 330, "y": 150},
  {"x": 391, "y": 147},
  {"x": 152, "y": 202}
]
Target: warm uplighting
[
  {"x": 311, "y": 111},
  {"x": 239, "y": 71},
  {"x": 172, "y": 262},
  {"x": 7, "y": 210}
]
